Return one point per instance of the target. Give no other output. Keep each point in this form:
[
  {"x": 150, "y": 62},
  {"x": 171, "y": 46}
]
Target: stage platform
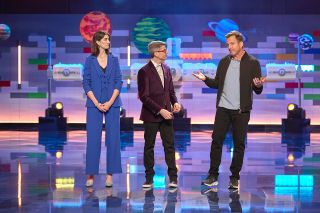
[{"x": 45, "y": 173}]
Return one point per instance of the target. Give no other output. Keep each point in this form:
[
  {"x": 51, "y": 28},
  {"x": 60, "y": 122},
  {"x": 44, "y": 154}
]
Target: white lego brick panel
[{"x": 281, "y": 72}]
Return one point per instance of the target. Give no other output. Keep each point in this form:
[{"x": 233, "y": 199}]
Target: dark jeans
[
  {"x": 167, "y": 136},
  {"x": 239, "y": 121}
]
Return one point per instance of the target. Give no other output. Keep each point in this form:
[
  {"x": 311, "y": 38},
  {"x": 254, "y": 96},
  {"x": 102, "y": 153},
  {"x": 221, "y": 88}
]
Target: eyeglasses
[{"x": 164, "y": 51}]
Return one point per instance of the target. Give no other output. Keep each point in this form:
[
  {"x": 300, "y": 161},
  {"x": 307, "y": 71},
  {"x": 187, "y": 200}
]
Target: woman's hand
[
  {"x": 101, "y": 107},
  {"x": 107, "y": 105}
]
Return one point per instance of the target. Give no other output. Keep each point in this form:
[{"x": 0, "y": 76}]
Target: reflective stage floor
[{"x": 45, "y": 173}]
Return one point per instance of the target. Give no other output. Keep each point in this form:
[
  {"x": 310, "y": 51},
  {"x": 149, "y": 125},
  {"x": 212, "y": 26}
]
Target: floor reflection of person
[
  {"x": 171, "y": 200},
  {"x": 235, "y": 204},
  {"x": 149, "y": 199}
]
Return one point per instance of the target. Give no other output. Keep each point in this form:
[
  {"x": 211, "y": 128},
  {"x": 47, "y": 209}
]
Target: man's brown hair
[{"x": 235, "y": 33}]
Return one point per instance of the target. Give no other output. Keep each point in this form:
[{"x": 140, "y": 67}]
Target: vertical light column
[
  {"x": 19, "y": 66},
  {"x": 128, "y": 181},
  {"x": 19, "y": 184}
]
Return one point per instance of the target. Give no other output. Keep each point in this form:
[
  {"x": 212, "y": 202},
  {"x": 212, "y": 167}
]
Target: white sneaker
[
  {"x": 173, "y": 184},
  {"x": 172, "y": 189},
  {"x": 147, "y": 184},
  {"x": 89, "y": 183},
  {"x": 108, "y": 184}
]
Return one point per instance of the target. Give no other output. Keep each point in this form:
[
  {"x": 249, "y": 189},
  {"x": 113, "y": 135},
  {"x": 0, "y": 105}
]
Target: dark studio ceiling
[{"x": 161, "y": 6}]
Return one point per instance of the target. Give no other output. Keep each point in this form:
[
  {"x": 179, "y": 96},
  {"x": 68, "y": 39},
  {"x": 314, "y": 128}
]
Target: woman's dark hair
[{"x": 97, "y": 36}]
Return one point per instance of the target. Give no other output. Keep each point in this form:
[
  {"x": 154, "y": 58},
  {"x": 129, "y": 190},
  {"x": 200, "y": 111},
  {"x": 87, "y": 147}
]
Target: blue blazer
[{"x": 94, "y": 79}]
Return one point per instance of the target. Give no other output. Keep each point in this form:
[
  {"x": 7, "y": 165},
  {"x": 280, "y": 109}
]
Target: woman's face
[{"x": 104, "y": 43}]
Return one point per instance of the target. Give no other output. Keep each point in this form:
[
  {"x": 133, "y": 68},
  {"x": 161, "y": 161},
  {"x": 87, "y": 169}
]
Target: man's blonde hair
[{"x": 154, "y": 46}]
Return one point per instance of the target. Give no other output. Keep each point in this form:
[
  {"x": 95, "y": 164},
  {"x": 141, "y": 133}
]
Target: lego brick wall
[{"x": 267, "y": 38}]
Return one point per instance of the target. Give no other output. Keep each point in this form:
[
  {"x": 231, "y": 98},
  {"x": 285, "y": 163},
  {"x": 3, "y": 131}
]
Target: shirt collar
[
  {"x": 232, "y": 58},
  {"x": 155, "y": 64}
]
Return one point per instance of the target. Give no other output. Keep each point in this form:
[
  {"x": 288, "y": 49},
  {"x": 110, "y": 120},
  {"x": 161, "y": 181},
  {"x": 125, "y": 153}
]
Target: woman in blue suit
[{"x": 102, "y": 82}]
